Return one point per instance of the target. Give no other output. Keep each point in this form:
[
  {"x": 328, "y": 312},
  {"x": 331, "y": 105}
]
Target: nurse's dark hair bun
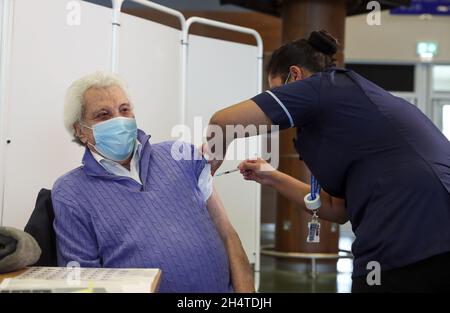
[
  {"x": 323, "y": 42},
  {"x": 315, "y": 53}
]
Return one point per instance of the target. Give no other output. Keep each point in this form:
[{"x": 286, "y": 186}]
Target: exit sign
[{"x": 427, "y": 50}]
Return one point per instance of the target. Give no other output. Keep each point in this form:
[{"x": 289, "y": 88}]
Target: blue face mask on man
[{"x": 115, "y": 138}]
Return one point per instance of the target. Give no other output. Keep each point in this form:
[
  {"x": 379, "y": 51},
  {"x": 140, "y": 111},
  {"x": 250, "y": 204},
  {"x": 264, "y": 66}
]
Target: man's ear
[
  {"x": 296, "y": 73},
  {"x": 78, "y": 133}
]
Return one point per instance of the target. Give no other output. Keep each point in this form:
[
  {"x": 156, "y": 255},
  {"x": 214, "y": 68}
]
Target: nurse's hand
[{"x": 259, "y": 171}]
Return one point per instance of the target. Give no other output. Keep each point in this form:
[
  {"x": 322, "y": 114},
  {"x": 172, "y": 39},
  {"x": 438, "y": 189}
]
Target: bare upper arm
[
  {"x": 244, "y": 113},
  {"x": 219, "y": 216}
]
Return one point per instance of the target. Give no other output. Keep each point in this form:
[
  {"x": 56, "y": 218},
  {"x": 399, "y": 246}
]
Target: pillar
[{"x": 299, "y": 18}]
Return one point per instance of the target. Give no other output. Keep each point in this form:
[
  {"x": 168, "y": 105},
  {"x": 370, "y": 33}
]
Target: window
[
  {"x": 440, "y": 97},
  {"x": 446, "y": 120},
  {"x": 441, "y": 78}
]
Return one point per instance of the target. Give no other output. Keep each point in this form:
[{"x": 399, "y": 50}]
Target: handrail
[
  {"x": 163, "y": 9},
  {"x": 267, "y": 250},
  {"x": 117, "y": 8},
  {"x": 231, "y": 27}
]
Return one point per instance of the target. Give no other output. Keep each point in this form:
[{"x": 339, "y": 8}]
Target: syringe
[{"x": 227, "y": 172}]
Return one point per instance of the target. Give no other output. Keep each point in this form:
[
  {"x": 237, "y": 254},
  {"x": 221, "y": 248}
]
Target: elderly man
[{"x": 132, "y": 205}]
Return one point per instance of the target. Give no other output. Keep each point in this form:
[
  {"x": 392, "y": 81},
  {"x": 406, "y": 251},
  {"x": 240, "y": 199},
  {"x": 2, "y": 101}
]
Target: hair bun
[{"x": 323, "y": 42}]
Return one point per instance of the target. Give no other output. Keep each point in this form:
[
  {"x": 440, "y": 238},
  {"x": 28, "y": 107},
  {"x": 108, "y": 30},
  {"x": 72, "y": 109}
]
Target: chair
[{"x": 40, "y": 226}]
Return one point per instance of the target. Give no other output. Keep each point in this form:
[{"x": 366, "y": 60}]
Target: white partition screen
[
  {"x": 219, "y": 74},
  {"x": 149, "y": 60},
  {"x": 52, "y": 44}
]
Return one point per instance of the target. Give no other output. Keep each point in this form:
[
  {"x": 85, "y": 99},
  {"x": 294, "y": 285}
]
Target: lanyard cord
[{"x": 315, "y": 187}]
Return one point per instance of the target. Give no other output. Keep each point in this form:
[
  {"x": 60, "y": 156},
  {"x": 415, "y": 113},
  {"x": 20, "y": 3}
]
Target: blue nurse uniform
[{"x": 381, "y": 154}]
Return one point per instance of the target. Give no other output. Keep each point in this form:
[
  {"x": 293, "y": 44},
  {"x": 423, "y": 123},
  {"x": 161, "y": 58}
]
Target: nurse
[{"x": 376, "y": 160}]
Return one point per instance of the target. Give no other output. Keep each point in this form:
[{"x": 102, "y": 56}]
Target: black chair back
[{"x": 40, "y": 226}]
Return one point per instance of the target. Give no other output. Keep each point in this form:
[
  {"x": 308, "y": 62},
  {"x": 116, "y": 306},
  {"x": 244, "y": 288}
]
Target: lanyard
[
  {"x": 312, "y": 202},
  {"x": 312, "y": 199},
  {"x": 315, "y": 187}
]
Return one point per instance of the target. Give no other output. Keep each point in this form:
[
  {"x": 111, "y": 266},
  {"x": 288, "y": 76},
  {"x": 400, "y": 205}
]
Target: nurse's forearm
[{"x": 332, "y": 209}]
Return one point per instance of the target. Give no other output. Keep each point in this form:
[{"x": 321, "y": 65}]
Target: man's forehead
[
  {"x": 104, "y": 91},
  {"x": 105, "y": 94}
]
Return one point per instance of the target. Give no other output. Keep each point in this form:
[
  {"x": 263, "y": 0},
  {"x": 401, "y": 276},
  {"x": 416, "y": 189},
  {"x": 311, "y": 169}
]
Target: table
[{"x": 153, "y": 288}]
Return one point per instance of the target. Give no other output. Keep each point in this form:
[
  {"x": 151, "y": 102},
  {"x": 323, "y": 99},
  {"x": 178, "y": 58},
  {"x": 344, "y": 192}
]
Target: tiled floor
[{"x": 275, "y": 280}]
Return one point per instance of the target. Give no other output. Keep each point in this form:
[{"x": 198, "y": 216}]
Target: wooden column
[{"x": 299, "y": 18}]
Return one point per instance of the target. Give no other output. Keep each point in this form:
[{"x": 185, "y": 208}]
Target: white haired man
[{"x": 132, "y": 205}]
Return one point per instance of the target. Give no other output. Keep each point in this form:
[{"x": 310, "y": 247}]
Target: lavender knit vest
[{"x": 103, "y": 220}]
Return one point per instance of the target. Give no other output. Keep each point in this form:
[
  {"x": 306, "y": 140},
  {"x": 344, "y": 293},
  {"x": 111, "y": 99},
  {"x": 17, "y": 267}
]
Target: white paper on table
[{"x": 62, "y": 279}]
